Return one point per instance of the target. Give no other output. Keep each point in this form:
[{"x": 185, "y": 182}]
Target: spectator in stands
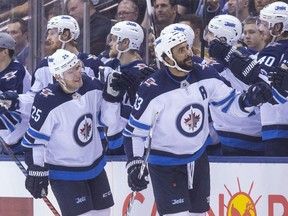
[
  {"x": 165, "y": 14},
  {"x": 253, "y": 37},
  {"x": 99, "y": 26},
  {"x": 16, "y": 8},
  {"x": 238, "y": 8},
  {"x": 127, "y": 10},
  {"x": 196, "y": 23},
  {"x": 188, "y": 6},
  {"x": 18, "y": 29},
  {"x": 260, "y": 4}
]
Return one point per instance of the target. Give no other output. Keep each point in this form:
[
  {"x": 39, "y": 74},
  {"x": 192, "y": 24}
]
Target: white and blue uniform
[
  {"x": 181, "y": 131},
  {"x": 244, "y": 134},
  {"x": 63, "y": 130},
  {"x": 274, "y": 118},
  {"x": 14, "y": 130}
]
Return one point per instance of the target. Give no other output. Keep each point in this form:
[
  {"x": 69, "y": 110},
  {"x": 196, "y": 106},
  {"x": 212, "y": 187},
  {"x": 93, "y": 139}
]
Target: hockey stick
[
  {"x": 152, "y": 23},
  {"x": 24, "y": 171},
  {"x": 144, "y": 164}
]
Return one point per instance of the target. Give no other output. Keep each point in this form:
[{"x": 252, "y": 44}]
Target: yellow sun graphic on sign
[{"x": 241, "y": 203}]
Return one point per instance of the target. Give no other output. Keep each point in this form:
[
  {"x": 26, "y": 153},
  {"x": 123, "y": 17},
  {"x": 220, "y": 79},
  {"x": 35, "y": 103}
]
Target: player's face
[
  {"x": 52, "y": 40},
  {"x": 183, "y": 56},
  {"x": 73, "y": 77},
  {"x": 113, "y": 43},
  {"x": 252, "y": 36}
]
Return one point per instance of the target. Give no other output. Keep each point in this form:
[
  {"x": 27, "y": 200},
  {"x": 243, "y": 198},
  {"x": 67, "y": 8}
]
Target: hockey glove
[
  {"x": 37, "y": 181},
  {"x": 244, "y": 67},
  {"x": 145, "y": 73},
  {"x": 122, "y": 81},
  {"x": 9, "y": 99},
  {"x": 220, "y": 51},
  {"x": 279, "y": 77},
  {"x": 109, "y": 94},
  {"x": 258, "y": 94},
  {"x": 135, "y": 181}
]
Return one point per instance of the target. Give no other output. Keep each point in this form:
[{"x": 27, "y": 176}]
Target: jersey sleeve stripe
[
  {"x": 228, "y": 98},
  {"x": 37, "y": 135}
]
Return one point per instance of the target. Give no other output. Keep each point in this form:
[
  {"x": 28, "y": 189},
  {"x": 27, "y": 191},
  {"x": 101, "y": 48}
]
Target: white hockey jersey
[
  {"x": 63, "y": 130},
  {"x": 182, "y": 127}
]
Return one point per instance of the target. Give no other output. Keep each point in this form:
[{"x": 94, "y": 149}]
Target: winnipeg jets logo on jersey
[
  {"x": 140, "y": 66},
  {"x": 46, "y": 92},
  {"x": 190, "y": 120},
  {"x": 150, "y": 81},
  {"x": 83, "y": 132},
  {"x": 10, "y": 75}
]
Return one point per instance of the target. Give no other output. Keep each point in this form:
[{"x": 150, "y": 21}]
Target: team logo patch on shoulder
[
  {"x": 150, "y": 81},
  {"x": 46, "y": 92},
  {"x": 83, "y": 132},
  {"x": 190, "y": 120},
  {"x": 10, "y": 75}
]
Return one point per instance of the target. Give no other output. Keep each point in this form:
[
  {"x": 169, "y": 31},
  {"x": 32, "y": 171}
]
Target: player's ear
[{"x": 167, "y": 59}]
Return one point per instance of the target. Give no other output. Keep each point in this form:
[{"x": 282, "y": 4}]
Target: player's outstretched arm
[{"x": 238, "y": 61}]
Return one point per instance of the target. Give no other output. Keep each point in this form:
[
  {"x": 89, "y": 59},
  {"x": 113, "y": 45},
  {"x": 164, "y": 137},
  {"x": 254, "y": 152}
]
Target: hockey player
[
  {"x": 62, "y": 32},
  {"x": 12, "y": 73},
  {"x": 125, "y": 41},
  {"x": 273, "y": 117},
  {"x": 15, "y": 79},
  {"x": 179, "y": 95},
  {"x": 65, "y": 144},
  {"x": 239, "y": 136}
]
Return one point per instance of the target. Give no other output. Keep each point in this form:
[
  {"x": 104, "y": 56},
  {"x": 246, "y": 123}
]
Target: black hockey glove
[
  {"x": 37, "y": 181},
  {"x": 122, "y": 81},
  {"x": 9, "y": 99},
  {"x": 257, "y": 94},
  {"x": 279, "y": 77},
  {"x": 109, "y": 94},
  {"x": 133, "y": 169},
  {"x": 221, "y": 51},
  {"x": 244, "y": 67},
  {"x": 145, "y": 73}
]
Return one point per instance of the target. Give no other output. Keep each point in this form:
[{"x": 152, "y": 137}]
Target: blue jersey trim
[
  {"x": 7, "y": 123},
  {"x": 274, "y": 134},
  {"x": 136, "y": 124},
  {"x": 242, "y": 144},
  {"x": 113, "y": 144},
  {"x": 232, "y": 94},
  {"x": 84, "y": 175},
  {"x": 166, "y": 161},
  {"x": 37, "y": 135}
]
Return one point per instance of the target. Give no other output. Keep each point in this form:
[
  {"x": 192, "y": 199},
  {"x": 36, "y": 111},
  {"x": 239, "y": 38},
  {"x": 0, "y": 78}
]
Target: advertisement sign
[{"x": 237, "y": 189}]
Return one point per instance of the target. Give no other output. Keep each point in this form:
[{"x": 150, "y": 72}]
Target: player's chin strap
[
  {"x": 176, "y": 66},
  {"x": 120, "y": 51},
  {"x": 64, "y": 42}
]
